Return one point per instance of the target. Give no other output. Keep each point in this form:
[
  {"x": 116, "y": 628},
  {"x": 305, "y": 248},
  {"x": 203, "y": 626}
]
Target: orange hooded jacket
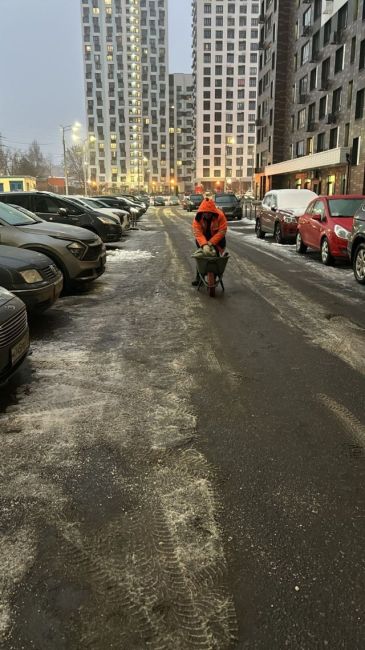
[{"x": 218, "y": 227}]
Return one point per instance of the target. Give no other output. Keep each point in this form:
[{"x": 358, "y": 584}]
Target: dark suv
[
  {"x": 51, "y": 207},
  {"x": 230, "y": 205},
  {"x": 356, "y": 246},
  {"x": 194, "y": 202}
]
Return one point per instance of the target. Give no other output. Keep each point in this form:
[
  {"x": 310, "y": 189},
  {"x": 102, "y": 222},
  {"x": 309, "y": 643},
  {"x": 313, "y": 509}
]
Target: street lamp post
[
  {"x": 229, "y": 143},
  {"x": 74, "y": 128}
]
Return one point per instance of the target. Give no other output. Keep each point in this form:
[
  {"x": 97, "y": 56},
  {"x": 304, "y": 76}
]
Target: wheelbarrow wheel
[{"x": 211, "y": 284}]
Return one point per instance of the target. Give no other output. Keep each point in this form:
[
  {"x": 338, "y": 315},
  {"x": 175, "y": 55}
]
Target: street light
[
  {"x": 74, "y": 128},
  {"x": 229, "y": 143}
]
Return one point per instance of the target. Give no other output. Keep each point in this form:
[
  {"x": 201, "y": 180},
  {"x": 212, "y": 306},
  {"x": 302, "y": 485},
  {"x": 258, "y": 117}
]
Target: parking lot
[{"x": 185, "y": 472}]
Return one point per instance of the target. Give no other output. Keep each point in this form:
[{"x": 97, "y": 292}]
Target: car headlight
[
  {"x": 342, "y": 232},
  {"x": 31, "y": 276},
  {"x": 106, "y": 220},
  {"x": 289, "y": 219},
  {"x": 76, "y": 249}
]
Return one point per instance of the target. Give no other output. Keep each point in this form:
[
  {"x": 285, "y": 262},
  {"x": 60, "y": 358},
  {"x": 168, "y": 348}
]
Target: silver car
[{"x": 77, "y": 252}]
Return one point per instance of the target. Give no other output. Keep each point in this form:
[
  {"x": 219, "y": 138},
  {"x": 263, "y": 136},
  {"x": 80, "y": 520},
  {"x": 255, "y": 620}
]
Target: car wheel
[
  {"x": 300, "y": 247},
  {"x": 326, "y": 256},
  {"x": 278, "y": 236},
  {"x": 259, "y": 233},
  {"x": 359, "y": 264}
]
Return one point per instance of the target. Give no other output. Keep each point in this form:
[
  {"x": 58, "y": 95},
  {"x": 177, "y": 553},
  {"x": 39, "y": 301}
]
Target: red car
[{"x": 326, "y": 225}]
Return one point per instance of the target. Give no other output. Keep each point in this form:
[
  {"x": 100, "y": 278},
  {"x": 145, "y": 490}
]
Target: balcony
[
  {"x": 312, "y": 126},
  {"x": 259, "y": 121},
  {"x": 303, "y": 98},
  {"x": 262, "y": 19},
  {"x": 259, "y": 170},
  {"x": 330, "y": 158}
]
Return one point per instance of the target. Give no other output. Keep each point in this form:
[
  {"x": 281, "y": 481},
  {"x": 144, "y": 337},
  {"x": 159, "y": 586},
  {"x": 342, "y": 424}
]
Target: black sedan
[
  {"x": 14, "y": 334},
  {"x": 30, "y": 276}
]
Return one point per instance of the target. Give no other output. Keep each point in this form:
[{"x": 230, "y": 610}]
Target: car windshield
[
  {"x": 344, "y": 207},
  {"x": 226, "y": 200},
  {"x": 297, "y": 199},
  {"x": 15, "y": 216},
  {"x": 196, "y": 197}
]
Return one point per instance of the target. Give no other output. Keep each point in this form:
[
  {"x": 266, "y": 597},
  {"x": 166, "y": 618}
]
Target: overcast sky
[{"x": 41, "y": 71}]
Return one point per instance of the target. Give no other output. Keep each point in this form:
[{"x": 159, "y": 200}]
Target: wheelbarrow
[{"x": 210, "y": 271}]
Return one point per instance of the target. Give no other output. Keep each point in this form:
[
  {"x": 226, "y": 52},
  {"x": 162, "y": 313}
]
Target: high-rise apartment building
[
  {"x": 127, "y": 89},
  {"x": 181, "y": 132},
  {"x": 321, "y": 120},
  {"x": 225, "y": 61}
]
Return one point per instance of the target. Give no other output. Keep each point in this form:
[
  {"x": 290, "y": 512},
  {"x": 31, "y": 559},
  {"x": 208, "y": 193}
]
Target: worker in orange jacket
[{"x": 209, "y": 228}]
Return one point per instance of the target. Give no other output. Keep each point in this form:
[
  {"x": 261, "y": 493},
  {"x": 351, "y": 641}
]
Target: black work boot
[{"x": 196, "y": 282}]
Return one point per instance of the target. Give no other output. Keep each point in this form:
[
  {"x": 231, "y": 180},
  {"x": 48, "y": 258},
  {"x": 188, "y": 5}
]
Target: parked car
[
  {"x": 159, "y": 200},
  {"x": 78, "y": 253},
  {"x": 14, "y": 334},
  {"x": 174, "y": 200},
  {"x": 57, "y": 209},
  {"x": 136, "y": 199},
  {"x": 229, "y": 204},
  {"x": 279, "y": 212},
  {"x": 194, "y": 202},
  {"x": 97, "y": 204},
  {"x": 356, "y": 244},
  {"x": 326, "y": 226},
  {"x": 134, "y": 209},
  {"x": 30, "y": 276}
]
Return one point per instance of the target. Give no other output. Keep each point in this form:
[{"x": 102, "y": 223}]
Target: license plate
[{"x": 19, "y": 349}]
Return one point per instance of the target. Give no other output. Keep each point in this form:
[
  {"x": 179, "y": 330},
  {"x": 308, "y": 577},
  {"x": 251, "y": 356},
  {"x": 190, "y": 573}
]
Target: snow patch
[{"x": 131, "y": 256}]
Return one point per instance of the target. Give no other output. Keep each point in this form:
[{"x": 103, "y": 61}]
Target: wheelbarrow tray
[{"x": 209, "y": 264}]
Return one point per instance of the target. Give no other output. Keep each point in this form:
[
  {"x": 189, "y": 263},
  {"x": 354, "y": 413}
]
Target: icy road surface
[{"x": 185, "y": 473}]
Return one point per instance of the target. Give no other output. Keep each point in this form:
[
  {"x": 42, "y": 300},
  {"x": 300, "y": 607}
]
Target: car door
[
  {"x": 48, "y": 208},
  {"x": 55, "y": 210},
  {"x": 316, "y": 226},
  {"x": 272, "y": 213},
  {"x": 304, "y": 223},
  {"x": 265, "y": 209}
]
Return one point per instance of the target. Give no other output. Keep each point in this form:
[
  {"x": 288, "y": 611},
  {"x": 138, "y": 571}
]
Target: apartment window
[
  {"x": 353, "y": 49},
  {"x": 336, "y": 100},
  {"x": 355, "y": 151},
  {"x": 339, "y": 59},
  {"x": 304, "y": 57},
  {"x": 301, "y": 118},
  {"x": 327, "y": 32},
  {"x": 207, "y": 8},
  {"x": 313, "y": 79},
  {"x": 309, "y": 149},
  {"x": 342, "y": 18},
  {"x": 321, "y": 142},
  {"x": 359, "y": 110},
  {"x": 347, "y": 135},
  {"x": 322, "y": 107},
  {"x": 349, "y": 93},
  {"x": 300, "y": 148},
  {"x": 333, "y": 138},
  {"x": 362, "y": 55}
]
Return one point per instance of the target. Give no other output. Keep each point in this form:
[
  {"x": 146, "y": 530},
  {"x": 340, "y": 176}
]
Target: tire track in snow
[{"x": 153, "y": 570}]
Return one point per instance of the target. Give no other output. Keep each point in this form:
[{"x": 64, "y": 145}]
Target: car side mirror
[
  {"x": 316, "y": 217},
  {"x": 273, "y": 208},
  {"x": 63, "y": 212}
]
